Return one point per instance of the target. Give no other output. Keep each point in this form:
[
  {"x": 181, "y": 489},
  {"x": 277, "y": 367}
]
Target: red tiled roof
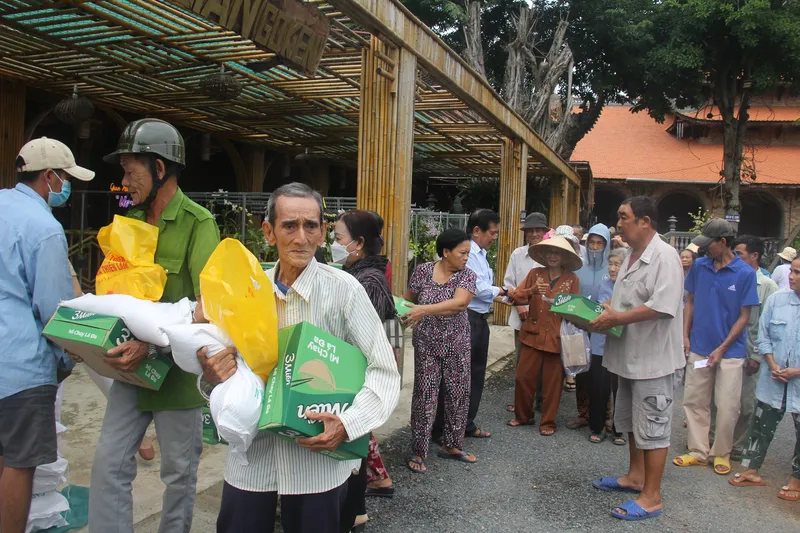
[
  {"x": 626, "y": 145},
  {"x": 757, "y": 113}
]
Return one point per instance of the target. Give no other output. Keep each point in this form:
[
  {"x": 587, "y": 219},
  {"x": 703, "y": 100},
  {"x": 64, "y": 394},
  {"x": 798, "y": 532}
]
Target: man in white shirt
[
  {"x": 781, "y": 273},
  {"x": 535, "y": 228},
  {"x": 312, "y": 487},
  {"x": 483, "y": 227}
]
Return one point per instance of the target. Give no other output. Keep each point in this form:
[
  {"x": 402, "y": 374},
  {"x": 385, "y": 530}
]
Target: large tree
[
  {"x": 556, "y": 62},
  {"x": 720, "y": 52}
]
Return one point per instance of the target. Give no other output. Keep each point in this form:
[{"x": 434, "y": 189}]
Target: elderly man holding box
[{"x": 311, "y": 486}]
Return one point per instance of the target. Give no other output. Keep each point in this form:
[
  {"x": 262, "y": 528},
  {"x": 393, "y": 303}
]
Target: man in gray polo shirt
[{"x": 647, "y": 301}]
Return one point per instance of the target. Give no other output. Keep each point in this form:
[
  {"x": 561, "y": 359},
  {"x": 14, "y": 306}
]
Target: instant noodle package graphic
[{"x": 315, "y": 372}]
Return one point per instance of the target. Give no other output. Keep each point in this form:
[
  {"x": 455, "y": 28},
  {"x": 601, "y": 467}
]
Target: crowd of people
[{"x": 710, "y": 312}]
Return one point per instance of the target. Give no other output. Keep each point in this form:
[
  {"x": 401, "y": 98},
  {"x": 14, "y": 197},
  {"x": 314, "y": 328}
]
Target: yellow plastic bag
[
  {"x": 129, "y": 266},
  {"x": 238, "y": 297}
]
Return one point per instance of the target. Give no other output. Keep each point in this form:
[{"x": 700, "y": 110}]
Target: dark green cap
[{"x": 150, "y": 136}]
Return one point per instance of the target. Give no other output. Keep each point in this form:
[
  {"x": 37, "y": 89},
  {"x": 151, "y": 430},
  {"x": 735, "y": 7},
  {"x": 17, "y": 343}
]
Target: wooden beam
[
  {"x": 386, "y": 150},
  {"x": 390, "y": 18},
  {"x": 513, "y": 181},
  {"x": 12, "y": 129}
]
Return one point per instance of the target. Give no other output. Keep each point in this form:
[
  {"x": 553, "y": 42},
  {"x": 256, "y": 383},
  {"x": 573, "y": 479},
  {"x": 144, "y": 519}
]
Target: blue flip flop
[
  {"x": 610, "y": 484},
  {"x": 461, "y": 457},
  {"x": 634, "y": 511}
]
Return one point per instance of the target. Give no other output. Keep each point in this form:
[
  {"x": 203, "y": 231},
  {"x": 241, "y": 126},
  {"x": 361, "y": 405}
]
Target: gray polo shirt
[{"x": 654, "y": 348}]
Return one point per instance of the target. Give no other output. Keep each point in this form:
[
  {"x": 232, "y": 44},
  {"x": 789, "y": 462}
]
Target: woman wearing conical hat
[{"x": 540, "y": 336}]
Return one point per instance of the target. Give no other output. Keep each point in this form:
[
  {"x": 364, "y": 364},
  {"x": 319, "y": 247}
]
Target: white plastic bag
[
  {"x": 576, "y": 350},
  {"x": 46, "y": 511},
  {"x": 236, "y": 407},
  {"x": 49, "y": 477},
  {"x": 187, "y": 339},
  {"x": 144, "y": 318}
]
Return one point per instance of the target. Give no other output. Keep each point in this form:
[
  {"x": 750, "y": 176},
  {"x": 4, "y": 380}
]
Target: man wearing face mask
[
  {"x": 152, "y": 155},
  {"x": 34, "y": 277}
]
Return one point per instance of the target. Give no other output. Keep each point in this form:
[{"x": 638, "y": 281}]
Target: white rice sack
[
  {"x": 49, "y": 477},
  {"x": 187, "y": 339},
  {"x": 143, "y": 317},
  {"x": 46, "y": 511},
  {"x": 236, "y": 407}
]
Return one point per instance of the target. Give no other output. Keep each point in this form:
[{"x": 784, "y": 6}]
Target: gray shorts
[
  {"x": 28, "y": 428},
  {"x": 644, "y": 408}
]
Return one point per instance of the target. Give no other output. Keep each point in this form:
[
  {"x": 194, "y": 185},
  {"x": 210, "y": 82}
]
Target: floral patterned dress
[{"x": 441, "y": 359}]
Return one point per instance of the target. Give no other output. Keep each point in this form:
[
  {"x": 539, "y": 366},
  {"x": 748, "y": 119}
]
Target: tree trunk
[
  {"x": 472, "y": 36},
  {"x": 516, "y": 88},
  {"x": 733, "y": 132}
]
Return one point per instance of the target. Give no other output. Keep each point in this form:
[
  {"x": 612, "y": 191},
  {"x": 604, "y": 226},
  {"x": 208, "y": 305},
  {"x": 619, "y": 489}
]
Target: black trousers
[
  {"x": 603, "y": 384},
  {"x": 254, "y": 512},
  {"x": 356, "y": 502},
  {"x": 479, "y": 352}
]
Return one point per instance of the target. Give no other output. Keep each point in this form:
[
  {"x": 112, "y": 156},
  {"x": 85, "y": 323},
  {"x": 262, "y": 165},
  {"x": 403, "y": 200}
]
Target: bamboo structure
[
  {"x": 12, "y": 129},
  {"x": 513, "y": 181},
  {"x": 386, "y": 147},
  {"x": 558, "y": 202}
]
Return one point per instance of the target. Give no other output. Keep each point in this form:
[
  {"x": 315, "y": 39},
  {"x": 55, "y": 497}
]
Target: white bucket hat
[{"x": 788, "y": 254}]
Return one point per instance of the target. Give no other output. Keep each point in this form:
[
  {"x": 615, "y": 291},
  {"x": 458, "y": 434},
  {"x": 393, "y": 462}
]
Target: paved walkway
[
  {"x": 528, "y": 483},
  {"x": 523, "y": 482}
]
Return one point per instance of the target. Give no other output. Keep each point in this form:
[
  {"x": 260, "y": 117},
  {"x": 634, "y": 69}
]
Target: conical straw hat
[{"x": 537, "y": 252}]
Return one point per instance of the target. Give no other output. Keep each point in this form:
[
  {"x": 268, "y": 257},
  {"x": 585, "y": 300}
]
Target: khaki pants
[
  {"x": 748, "y": 407},
  {"x": 725, "y": 382}
]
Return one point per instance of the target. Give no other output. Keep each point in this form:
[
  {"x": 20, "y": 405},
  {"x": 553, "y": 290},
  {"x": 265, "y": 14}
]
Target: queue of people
[{"x": 710, "y": 306}]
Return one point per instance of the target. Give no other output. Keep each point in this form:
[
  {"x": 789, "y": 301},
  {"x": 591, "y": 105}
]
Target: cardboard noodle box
[
  {"x": 401, "y": 306},
  {"x": 315, "y": 372},
  {"x": 91, "y": 335},
  {"x": 580, "y": 311}
]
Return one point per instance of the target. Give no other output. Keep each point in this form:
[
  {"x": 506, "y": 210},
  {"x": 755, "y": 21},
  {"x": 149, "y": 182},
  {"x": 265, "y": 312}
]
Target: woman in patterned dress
[{"x": 441, "y": 292}]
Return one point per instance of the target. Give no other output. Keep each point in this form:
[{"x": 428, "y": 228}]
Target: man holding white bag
[
  {"x": 312, "y": 487},
  {"x": 152, "y": 155}
]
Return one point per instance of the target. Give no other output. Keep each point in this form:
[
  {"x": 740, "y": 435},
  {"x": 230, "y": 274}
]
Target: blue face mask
[{"x": 56, "y": 199}]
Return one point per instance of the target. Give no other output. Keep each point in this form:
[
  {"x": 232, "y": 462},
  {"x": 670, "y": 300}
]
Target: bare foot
[
  {"x": 416, "y": 464},
  {"x": 629, "y": 483},
  {"x": 380, "y": 483}
]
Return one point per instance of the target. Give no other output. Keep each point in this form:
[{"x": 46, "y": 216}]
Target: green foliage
[
  {"x": 708, "y": 49},
  {"x": 699, "y": 219},
  {"x": 229, "y": 219}
]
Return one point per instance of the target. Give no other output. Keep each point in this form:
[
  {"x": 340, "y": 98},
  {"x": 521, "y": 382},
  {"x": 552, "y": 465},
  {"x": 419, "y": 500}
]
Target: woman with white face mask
[{"x": 357, "y": 248}]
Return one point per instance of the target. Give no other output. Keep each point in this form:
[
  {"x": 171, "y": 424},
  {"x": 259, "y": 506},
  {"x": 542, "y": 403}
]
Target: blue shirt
[
  {"x": 477, "y": 262},
  {"x": 34, "y": 279},
  {"x": 718, "y": 299},
  {"x": 779, "y": 335}
]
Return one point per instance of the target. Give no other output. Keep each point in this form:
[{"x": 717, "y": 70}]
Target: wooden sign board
[{"x": 294, "y": 30}]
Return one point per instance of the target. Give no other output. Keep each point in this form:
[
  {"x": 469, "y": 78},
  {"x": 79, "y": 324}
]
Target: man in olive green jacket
[{"x": 152, "y": 154}]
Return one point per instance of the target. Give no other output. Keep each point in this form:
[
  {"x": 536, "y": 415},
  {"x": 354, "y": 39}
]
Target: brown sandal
[
  {"x": 547, "y": 432},
  {"x": 740, "y": 481},
  {"x": 785, "y": 492}
]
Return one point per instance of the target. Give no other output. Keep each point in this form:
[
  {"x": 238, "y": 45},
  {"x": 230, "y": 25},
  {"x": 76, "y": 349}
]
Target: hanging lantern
[
  {"x": 75, "y": 109},
  {"x": 222, "y": 85}
]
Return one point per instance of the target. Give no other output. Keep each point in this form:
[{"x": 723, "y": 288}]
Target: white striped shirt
[{"x": 337, "y": 303}]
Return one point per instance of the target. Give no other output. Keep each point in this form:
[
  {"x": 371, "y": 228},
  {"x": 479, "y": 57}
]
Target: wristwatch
[{"x": 504, "y": 291}]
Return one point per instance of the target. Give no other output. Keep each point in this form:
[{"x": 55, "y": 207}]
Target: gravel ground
[{"x": 528, "y": 483}]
